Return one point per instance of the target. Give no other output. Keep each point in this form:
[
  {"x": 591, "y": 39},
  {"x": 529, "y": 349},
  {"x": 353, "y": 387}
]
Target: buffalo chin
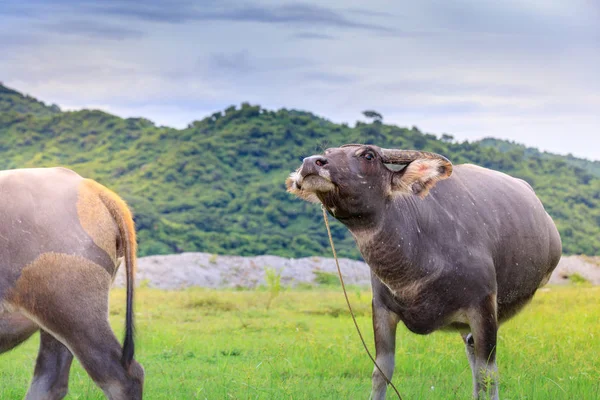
[{"x": 307, "y": 188}]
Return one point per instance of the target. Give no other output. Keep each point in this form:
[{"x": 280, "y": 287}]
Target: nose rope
[{"x": 337, "y": 264}]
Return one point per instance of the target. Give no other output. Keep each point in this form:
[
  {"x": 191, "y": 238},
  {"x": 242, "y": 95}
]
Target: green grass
[
  {"x": 198, "y": 344},
  {"x": 577, "y": 279}
]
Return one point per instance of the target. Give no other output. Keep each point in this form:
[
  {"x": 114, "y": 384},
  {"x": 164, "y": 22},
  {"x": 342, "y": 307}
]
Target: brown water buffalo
[
  {"x": 461, "y": 248},
  {"x": 62, "y": 238}
]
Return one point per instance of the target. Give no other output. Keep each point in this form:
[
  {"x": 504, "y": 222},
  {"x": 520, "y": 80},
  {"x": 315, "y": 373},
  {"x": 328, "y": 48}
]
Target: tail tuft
[{"x": 128, "y": 347}]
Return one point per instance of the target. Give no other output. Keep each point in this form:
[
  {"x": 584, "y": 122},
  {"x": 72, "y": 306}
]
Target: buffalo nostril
[{"x": 319, "y": 161}]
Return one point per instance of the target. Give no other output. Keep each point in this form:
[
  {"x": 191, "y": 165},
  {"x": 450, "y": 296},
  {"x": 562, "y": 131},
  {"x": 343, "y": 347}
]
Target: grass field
[{"x": 205, "y": 344}]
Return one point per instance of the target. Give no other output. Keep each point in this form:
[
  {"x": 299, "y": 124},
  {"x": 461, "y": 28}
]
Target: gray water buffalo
[
  {"x": 62, "y": 238},
  {"x": 462, "y": 248}
]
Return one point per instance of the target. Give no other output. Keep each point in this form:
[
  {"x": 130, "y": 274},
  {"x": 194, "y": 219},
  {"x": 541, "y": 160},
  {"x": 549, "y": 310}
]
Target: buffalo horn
[{"x": 393, "y": 156}]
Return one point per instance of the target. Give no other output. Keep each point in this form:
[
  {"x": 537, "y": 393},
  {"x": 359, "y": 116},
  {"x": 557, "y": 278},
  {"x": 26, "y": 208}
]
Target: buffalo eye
[{"x": 368, "y": 156}]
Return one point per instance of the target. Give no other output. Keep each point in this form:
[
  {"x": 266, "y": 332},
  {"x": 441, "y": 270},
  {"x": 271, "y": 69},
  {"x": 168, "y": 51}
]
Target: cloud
[
  {"x": 541, "y": 21},
  {"x": 173, "y": 12},
  {"x": 17, "y": 41},
  {"x": 371, "y": 12},
  {"x": 330, "y": 77},
  {"x": 444, "y": 108},
  {"x": 237, "y": 62},
  {"x": 95, "y": 30},
  {"x": 300, "y": 14},
  {"x": 244, "y": 63},
  {"x": 435, "y": 87},
  {"x": 311, "y": 35}
]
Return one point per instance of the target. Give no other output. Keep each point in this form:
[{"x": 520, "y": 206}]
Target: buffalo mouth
[{"x": 307, "y": 186}]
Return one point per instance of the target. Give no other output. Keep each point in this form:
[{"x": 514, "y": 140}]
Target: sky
[{"x": 522, "y": 70}]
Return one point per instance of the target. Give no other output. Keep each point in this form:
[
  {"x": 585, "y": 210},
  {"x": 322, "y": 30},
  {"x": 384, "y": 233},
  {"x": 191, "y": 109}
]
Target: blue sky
[{"x": 522, "y": 70}]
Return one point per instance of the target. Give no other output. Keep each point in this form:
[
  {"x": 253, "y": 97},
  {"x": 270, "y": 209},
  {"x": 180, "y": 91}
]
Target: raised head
[{"x": 356, "y": 179}]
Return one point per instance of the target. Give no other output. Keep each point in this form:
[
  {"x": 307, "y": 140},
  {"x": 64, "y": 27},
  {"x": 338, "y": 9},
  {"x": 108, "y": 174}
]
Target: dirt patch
[{"x": 574, "y": 268}]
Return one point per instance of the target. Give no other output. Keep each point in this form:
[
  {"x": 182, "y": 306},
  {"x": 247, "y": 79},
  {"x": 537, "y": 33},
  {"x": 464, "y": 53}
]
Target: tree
[
  {"x": 373, "y": 115},
  {"x": 447, "y": 138}
]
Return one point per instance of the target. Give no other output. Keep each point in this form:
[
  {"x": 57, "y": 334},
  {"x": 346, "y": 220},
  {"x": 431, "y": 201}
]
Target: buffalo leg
[
  {"x": 484, "y": 327},
  {"x": 51, "y": 377},
  {"x": 77, "y": 315},
  {"x": 384, "y": 327},
  {"x": 99, "y": 352},
  {"x": 15, "y": 328},
  {"x": 90, "y": 337},
  {"x": 470, "y": 350}
]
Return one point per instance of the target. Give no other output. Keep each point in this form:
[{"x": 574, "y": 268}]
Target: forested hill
[
  {"x": 218, "y": 186},
  {"x": 11, "y": 100},
  {"x": 507, "y": 146}
]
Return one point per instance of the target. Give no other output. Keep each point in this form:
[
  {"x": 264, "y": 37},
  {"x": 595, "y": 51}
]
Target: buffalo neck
[{"x": 391, "y": 240}]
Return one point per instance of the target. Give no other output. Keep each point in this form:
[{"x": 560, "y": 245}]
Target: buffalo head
[{"x": 354, "y": 180}]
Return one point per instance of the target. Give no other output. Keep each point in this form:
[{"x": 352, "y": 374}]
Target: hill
[
  {"x": 13, "y": 101},
  {"x": 592, "y": 167},
  {"x": 218, "y": 185}
]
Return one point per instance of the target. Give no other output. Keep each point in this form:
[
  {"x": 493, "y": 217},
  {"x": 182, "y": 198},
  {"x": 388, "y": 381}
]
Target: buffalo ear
[{"x": 420, "y": 175}]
